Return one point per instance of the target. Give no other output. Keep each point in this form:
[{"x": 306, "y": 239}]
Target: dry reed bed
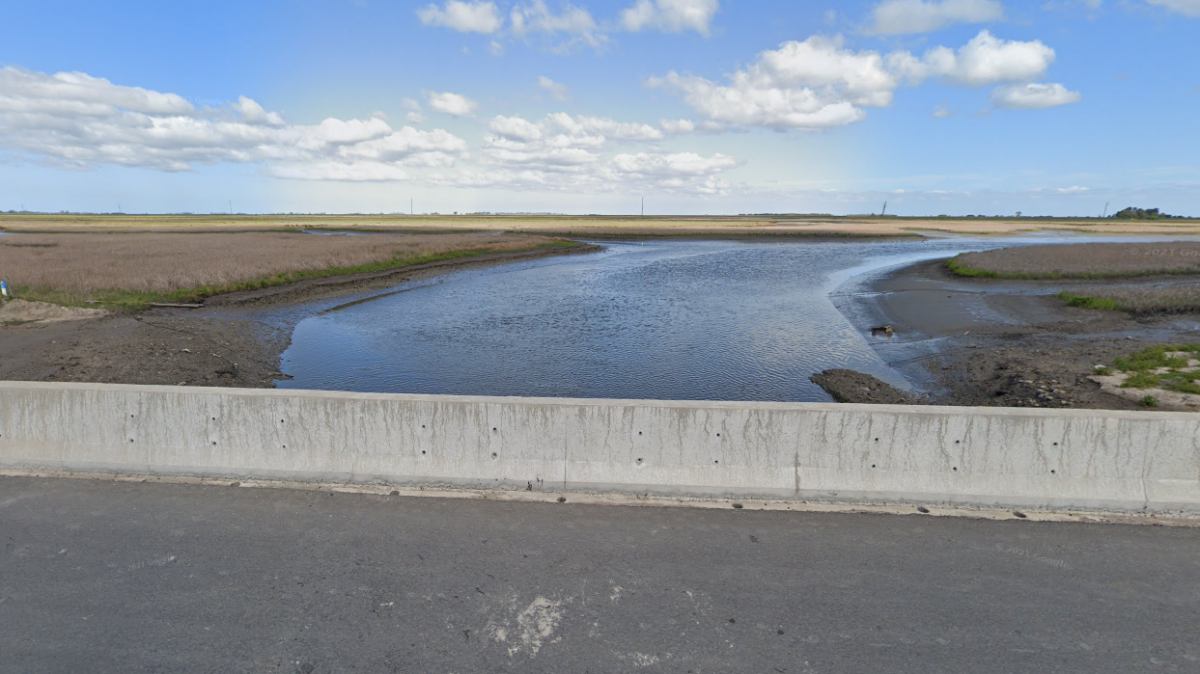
[
  {"x": 167, "y": 262},
  {"x": 1086, "y": 260}
]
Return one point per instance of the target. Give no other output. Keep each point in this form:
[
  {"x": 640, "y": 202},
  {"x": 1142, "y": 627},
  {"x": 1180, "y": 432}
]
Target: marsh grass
[
  {"x": 130, "y": 270},
  {"x": 1081, "y": 261},
  {"x": 1137, "y": 301},
  {"x": 1146, "y": 368}
]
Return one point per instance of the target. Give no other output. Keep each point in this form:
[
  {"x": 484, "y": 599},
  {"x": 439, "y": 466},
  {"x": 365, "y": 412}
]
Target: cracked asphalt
[{"x": 100, "y": 576}]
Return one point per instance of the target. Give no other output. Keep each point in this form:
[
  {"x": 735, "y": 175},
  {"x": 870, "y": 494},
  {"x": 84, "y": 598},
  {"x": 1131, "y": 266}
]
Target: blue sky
[{"x": 699, "y": 106}]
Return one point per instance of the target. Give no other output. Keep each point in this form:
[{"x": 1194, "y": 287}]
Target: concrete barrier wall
[{"x": 804, "y": 451}]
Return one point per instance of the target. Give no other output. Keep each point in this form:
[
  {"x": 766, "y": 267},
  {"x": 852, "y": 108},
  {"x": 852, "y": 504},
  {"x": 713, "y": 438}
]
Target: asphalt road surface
[{"x": 127, "y": 577}]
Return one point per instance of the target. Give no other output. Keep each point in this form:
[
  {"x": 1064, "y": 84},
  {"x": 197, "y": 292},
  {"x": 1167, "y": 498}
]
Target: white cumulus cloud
[
  {"x": 77, "y": 121},
  {"x": 672, "y": 16},
  {"x": 451, "y": 103},
  {"x": 465, "y": 17},
  {"x": 1034, "y": 96},
  {"x": 904, "y": 17},
  {"x": 819, "y": 83},
  {"x": 535, "y": 17},
  {"x": 984, "y": 61},
  {"x": 572, "y": 153},
  {"x": 802, "y": 85}
]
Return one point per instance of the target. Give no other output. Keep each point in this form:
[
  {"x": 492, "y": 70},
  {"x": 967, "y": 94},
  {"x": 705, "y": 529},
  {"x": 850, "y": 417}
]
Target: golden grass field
[
  {"x": 136, "y": 267},
  {"x": 598, "y": 225}
]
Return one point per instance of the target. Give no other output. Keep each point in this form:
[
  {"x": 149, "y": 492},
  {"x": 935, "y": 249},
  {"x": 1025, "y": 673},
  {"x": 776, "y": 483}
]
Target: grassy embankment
[
  {"x": 131, "y": 270},
  {"x": 1098, "y": 262}
]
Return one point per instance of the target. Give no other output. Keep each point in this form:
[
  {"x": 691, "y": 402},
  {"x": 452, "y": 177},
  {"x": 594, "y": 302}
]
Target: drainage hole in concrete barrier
[
  {"x": 494, "y": 455},
  {"x": 876, "y": 439},
  {"x": 131, "y": 439},
  {"x": 394, "y": 493},
  {"x": 955, "y": 469},
  {"x": 718, "y": 435},
  {"x": 1020, "y": 514},
  {"x": 493, "y": 428},
  {"x": 957, "y": 441},
  {"x": 639, "y": 460},
  {"x": 562, "y": 499},
  {"x": 739, "y": 507},
  {"x": 923, "y": 509},
  {"x": 214, "y": 443},
  {"x": 872, "y": 465},
  {"x": 422, "y": 425},
  {"x": 1052, "y": 472},
  {"x": 713, "y": 461},
  {"x": 639, "y": 432},
  {"x": 235, "y": 484}
]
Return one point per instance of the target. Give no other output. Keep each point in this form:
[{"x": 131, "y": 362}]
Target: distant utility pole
[
  {"x": 643, "y": 207},
  {"x": 1105, "y": 209},
  {"x": 410, "y": 206},
  {"x": 231, "y": 206},
  {"x": 884, "y": 211}
]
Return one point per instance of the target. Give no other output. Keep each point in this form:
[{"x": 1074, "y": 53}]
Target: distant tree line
[{"x": 1133, "y": 213}]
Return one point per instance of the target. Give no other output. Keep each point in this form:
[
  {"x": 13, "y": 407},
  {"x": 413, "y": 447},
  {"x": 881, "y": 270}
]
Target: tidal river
[{"x": 678, "y": 320}]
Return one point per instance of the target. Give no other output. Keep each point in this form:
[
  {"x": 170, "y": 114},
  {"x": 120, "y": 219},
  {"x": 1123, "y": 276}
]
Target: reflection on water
[{"x": 684, "y": 320}]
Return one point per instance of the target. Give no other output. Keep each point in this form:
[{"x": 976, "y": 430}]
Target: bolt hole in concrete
[
  {"x": 422, "y": 451},
  {"x": 955, "y": 469},
  {"x": 1052, "y": 472},
  {"x": 494, "y": 455},
  {"x": 872, "y": 465}
]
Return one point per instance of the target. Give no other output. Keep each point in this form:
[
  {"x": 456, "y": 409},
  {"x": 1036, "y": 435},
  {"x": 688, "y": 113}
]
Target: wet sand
[{"x": 988, "y": 342}]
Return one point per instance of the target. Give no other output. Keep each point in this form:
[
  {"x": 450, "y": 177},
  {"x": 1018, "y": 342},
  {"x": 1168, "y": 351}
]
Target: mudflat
[
  {"x": 1011, "y": 343},
  {"x": 220, "y": 344}
]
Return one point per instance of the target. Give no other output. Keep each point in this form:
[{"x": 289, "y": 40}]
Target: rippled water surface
[{"x": 680, "y": 320}]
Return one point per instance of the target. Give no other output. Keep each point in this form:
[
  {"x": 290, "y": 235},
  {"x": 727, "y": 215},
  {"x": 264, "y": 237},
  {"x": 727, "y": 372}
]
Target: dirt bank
[
  {"x": 218, "y": 345},
  {"x": 991, "y": 342}
]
